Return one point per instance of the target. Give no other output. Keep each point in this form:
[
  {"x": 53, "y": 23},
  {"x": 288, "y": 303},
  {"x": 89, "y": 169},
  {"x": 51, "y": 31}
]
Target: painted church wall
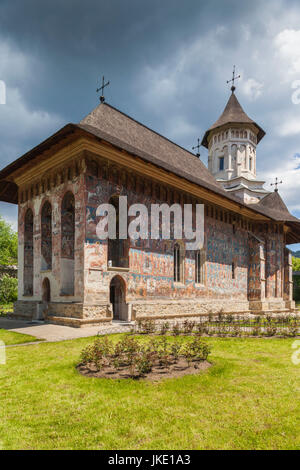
[
  {"x": 150, "y": 274},
  {"x": 47, "y": 241}
]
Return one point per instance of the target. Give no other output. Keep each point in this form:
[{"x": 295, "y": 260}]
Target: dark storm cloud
[
  {"x": 77, "y": 41},
  {"x": 167, "y": 60}
]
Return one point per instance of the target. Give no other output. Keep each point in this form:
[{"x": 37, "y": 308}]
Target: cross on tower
[
  {"x": 102, "y": 98},
  {"x": 276, "y": 184},
  {"x": 234, "y": 77},
  {"x": 197, "y": 147}
]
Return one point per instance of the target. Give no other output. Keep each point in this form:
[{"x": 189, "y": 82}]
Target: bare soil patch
[{"x": 176, "y": 370}]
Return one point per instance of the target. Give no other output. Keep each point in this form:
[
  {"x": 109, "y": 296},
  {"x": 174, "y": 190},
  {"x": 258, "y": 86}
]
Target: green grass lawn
[
  {"x": 249, "y": 399},
  {"x": 10, "y": 337}
]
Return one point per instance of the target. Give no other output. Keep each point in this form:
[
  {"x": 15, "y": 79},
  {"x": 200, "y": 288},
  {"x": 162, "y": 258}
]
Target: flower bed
[
  {"x": 132, "y": 358},
  {"x": 224, "y": 325}
]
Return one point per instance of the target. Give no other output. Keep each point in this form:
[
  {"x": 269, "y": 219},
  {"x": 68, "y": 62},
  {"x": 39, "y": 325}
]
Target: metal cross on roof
[
  {"x": 276, "y": 183},
  {"x": 197, "y": 147},
  {"x": 234, "y": 77},
  {"x": 102, "y": 98}
]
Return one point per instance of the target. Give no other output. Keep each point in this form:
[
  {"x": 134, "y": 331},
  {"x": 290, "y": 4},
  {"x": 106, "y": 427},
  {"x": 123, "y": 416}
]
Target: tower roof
[{"x": 232, "y": 114}]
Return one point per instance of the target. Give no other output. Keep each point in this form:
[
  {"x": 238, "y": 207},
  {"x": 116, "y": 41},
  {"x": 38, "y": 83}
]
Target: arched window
[
  {"x": 234, "y": 152},
  {"x": 67, "y": 244},
  {"x": 46, "y": 232},
  {"x": 199, "y": 267},
  {"x": 233, "y": 270},
  {"x": 118, "y": 249},
  {"x": 221, "y": 163},
  {"x": 28, "y": 253},
  {"x": 178, "y": 263}
]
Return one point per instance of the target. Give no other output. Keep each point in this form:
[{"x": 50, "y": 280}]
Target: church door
[
  {"x": 46, "y": 298},
  {"x": 117, "y": 299},
  {"x": 46, "y": 290}
]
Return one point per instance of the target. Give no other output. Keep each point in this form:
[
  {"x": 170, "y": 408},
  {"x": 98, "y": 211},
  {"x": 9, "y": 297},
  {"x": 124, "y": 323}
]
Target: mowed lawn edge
[
  {"x": 12, "y": 337},
  {"x": 249, "y": 399}
]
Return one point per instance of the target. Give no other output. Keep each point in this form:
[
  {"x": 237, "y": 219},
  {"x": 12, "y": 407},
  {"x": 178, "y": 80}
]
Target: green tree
[
  {"x": 8, "y": 244},
  {"x": 296, "y": 264},
  {"x": 8, "y": 289}
]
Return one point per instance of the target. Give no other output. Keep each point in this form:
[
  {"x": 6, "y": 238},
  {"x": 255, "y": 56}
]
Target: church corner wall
[{"x": 51, "y": 190}]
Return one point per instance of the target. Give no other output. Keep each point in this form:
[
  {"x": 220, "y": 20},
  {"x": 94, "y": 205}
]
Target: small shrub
[
  {"x": 163, "y": 352},
  {"x": 175, "y": 351},
  {"x": 292, "y": 330},
  {"x": 164, "y": 328},
  {"x": 196, "y": 350},
  {"x": 176, "y": 329},
  {"x": 149, "y": 327},
  {"x": 256, "y": 330},
  {"x": 188, "y": 327},
  {"x": 144, "y": 362},
  {"x": 200, "y": 329},
  {"x": 236, "y": 330},
  {"x": 87, "y": 355},
  {"x": 271, "y": 331}
]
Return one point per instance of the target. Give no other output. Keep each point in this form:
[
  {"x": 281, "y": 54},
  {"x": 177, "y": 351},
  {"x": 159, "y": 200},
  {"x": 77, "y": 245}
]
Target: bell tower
[{"x": 231, "y": 144}]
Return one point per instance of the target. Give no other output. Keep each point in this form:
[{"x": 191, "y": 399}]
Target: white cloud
[
  {"x": 252, "y": 88},
  {"x": 288, "y": 170},
  {"x": 18, "y": 121},
  {"x": 290, "y": 127},
  {"x": 287, "y": 43},
  {"x": 15, "y": 66},
  {"x": 178, "y": 128}
]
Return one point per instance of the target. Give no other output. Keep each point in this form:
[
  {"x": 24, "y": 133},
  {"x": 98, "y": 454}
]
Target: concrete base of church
[
  {"x": 271, "y": 305},
  {"x": 26, "y": 310},
  {"x": 79, "y": 315},
  {"x": 63, "y": 313},
  {"x": 190, "y": 308}
]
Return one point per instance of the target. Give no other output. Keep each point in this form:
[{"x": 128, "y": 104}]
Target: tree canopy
[
  {"x": 8, "y": 244},
  {"x": 296, "y": 264}
]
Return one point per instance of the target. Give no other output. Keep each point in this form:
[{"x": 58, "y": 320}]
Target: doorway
[
  {"x": 43, "y": 306},
  {"x": 46, "y": 294},
  {"x": 117, "y": 299}
]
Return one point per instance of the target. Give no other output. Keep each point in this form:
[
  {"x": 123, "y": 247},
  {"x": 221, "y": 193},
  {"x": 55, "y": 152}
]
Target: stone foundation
[
  {"x": 79, "y": 314},
  {"x": 186, "y": 308},
  {"x": 160, "y": 310},
  {"x": 26, "y": 309}
]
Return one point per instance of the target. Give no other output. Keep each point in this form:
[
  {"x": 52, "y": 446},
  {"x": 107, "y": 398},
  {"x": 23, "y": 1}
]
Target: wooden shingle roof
[{"x": 111, "y": 125}]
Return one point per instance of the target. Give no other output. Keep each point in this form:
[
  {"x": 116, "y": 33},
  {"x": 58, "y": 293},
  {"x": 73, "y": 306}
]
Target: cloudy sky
[{"x": 167, "y": 61}]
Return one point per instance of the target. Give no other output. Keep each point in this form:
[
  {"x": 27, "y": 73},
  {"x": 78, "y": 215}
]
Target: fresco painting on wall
[
  {"x": 46, "y": 232},
  {"x": 28, "y": 253}
]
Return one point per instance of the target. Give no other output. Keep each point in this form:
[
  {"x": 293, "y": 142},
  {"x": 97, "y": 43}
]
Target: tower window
[
  {"x": 221, "y": 163},
  {"x": 250, "y": 164}
]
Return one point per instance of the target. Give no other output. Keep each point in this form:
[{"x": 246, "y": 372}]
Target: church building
[{"x": 68, "y": 276}]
